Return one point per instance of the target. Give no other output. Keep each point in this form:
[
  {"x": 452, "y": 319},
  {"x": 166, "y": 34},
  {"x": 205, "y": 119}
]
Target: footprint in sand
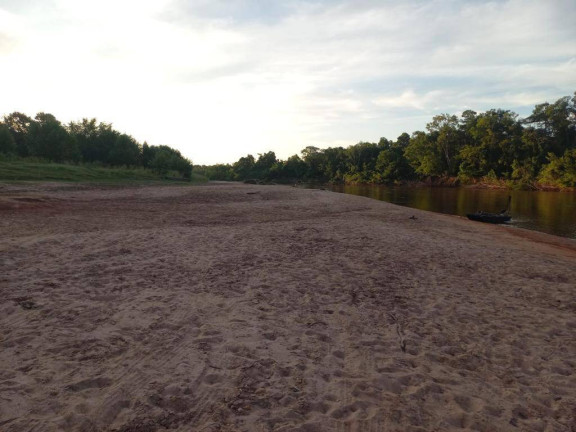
[
  {"x": 212, "y": 379},
  {"x": 339, "y": 354},
  {"x": 99, "y": 382}
]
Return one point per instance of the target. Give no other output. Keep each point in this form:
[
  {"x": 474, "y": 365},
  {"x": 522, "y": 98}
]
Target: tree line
[
  {"x": 495, "y": 145},
  {"x": 85, "y": 141}
]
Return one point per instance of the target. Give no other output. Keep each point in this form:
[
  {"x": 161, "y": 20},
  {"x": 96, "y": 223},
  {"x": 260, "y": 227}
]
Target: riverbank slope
[{"x": 232, "y": 307}]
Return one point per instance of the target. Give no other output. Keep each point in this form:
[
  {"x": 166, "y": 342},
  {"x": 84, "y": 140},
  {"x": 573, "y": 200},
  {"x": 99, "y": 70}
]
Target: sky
[{"x": 220, "y": 79}]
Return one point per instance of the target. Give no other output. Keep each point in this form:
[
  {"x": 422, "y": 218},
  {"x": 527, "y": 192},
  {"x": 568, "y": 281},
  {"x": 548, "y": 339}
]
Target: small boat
[{"x": 494, "y": 218}]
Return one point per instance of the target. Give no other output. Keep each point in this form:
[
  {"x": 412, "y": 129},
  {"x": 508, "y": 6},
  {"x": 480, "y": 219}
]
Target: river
[{"x": 549, "y": 212}]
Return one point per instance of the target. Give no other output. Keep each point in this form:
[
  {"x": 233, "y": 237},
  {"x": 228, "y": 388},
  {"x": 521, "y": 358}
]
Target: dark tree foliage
[
  {"x": 313, "y": 158},
  {"x": 216, "y": 172},
  {"x": 561, "y": 170},
  {"x": 125, "y": 151},
  {"x": 95, "y": 140},
  {"x": 293, "y": 169},
  {"x": 7, "y": 142},
  {"x": 147, "y": 155},
  {"x": 48, "y": 139},
  {"x": 334, "y": 164},
  {"x": 495, "y": 144},
  {"x": 361, "y": 162},
  {"x": 265, "y": 166},
  {"x": 165, "y": 159},
  {"x": 243, "y": 169},
  {"x": 392, "y": 164},
  {"x": 19, "y": 125},
  {"x": 86, "y": 141},
  {"x": 423, "y": 155}
]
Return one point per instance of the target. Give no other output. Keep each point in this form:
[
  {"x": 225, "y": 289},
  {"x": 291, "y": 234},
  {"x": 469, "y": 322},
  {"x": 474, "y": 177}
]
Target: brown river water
[{"x": 549, "y": 212}]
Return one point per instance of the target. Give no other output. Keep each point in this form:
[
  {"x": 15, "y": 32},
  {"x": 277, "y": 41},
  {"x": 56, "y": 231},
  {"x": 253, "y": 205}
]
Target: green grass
[{"x": 23, "y": 170}]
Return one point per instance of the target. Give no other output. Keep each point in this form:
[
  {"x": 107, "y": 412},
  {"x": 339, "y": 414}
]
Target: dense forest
[
  {"x": 495, "y": 146},
  {"x": 86, "y": 141}
]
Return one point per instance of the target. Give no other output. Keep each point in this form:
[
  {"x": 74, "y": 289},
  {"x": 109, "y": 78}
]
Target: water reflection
[{"x": 549, "y": 212}]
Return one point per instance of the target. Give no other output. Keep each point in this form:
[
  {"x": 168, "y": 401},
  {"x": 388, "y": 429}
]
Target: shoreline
[
  {"x": 456, "y": 183},
  {"x": 242, "y": 307}
]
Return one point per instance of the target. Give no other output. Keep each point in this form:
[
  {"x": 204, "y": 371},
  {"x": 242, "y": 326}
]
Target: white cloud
[{"x": 408, "y": 99}]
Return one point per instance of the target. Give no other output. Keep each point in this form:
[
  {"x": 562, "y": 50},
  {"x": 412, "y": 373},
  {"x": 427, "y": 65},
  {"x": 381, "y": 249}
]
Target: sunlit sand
[{"x": 234, "y": 307}]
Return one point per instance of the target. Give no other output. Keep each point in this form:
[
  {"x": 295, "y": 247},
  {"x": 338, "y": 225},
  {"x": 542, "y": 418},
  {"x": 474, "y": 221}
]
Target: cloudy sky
[{"x": 218, "y": 79}]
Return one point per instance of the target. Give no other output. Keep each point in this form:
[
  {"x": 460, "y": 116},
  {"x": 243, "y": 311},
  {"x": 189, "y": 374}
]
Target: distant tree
[
  {"x": 534, "y": 146},
  {"x": 147, "y": 155},
  {"x": 312, "y": 157},
  {"x": 392, "y": 164},
  {"x": 294, "y": 168},
  {"x": 385, "y": 143},
  {"x": 560, "y": 171},
  {"x": 473, "y": 162},
  {"x": 216, "y": 172},
  {"x": 19, "y": 126},
  {"x": 309, "y": 151},
  {"x": 125, "y": 151},
  {"x": 166, "y": 159},
  {"x": 7, "y": 142},
  {"x": 184, "y": 167},
  {"x": 402, "y": 141},
  {"x": 334, "y": 164},
  {"x": 362, "y": 161},
  {"x": 424, "y": 156},
  {"x": 465, "y": 125},
  {"x": 498, "y": 133},
  {"x": 48, "y": 139},
  {"x": 558, "y": 122},
  {"x": 444, "y": 131},
  {"x": 262, "y": 168},
  {"x": 161, "y": 162},
  {"x": 470, "y": 155},
  {"x": 243, "y": 169},
  {"x": 95, "y": 140}
]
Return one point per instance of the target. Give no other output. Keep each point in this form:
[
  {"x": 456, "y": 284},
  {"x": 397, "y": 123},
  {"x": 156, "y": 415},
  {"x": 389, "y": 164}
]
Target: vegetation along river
[{"x": 549, "y": 212}]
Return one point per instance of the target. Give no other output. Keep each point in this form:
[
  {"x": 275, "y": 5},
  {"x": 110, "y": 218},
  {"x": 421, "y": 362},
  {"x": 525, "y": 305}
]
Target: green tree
[
  {"x": 362, "y": 161},
  {"x": 161, "y": 162},
  {"x": 534, "y": 147},
  {"x": 312, "y": 156},
  {"x": 498, "y": 134},
  {"x": 560, "y": 171},
  {"x": 467, "y": 122},
  {"x": 48, "y": 139},
  {"x": 19, "y": 126},
  {"x": 557, "y": 121},
  {"x": 7, "y": 142},
  {"x": 216, "y": 172},
  {"x": 147, "y": 155},
  {"x": 294, "y": 168},
  {"x": 334, "y": 164},
  {"x": 423, "y": 155},
  {"x": 166, "y": 159},
  {"x": 95, "y": 140},
  {"x": 470, "y": 156},
  {"x": 243, "y": 169},
  {"x": 392, "y": 164},
  {"x": 126, "y": 151},
  {"x": 445, "y": 132},
  {"x": 473, "y": 162},
  {"x": 263, "y": 167}
]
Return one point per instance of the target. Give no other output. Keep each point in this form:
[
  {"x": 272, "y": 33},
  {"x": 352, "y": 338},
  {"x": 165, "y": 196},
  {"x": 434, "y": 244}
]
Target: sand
[{"x": 231, "y": 307}]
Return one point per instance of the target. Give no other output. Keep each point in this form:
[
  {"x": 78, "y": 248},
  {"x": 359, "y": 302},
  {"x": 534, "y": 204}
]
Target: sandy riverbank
[{"x": 265, "y": 308}]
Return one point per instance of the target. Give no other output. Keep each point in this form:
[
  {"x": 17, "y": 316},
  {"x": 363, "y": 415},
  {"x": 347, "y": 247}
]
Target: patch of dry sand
[{"x": 264, "y": 308}]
